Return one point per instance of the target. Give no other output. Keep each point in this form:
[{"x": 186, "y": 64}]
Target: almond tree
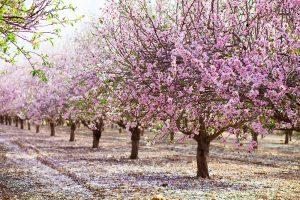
[
  {"x": 89, "y": 104},
  {"x": 203, "y": 65},
  {"x": 128, "y": 113},
  {"x": 88, "y": 90},
  {"x": 16, "y": 93},
  {"x": 49, "y": 99}
]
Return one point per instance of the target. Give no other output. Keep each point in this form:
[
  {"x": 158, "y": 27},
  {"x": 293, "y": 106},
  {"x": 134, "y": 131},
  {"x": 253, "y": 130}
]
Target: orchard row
[{"x": 196, "y": 68}]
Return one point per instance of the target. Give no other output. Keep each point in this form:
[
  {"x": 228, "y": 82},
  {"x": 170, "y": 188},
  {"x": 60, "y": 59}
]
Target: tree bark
[
  {"x": 60, "y": 122},
  {"x": 287, "y": 135},
  {"x": 172, "y": 137},
  {"x": 9, "y": 121},
  {"x": 202, "y": 154},
  {"x": 21, "y": 123},
  {"x": 96, "y": 132},
  {"x": 72, "y": 133},
  {"x": 290, "y": 135},
  {"x": 37, "y": 128},
  {"x": 135, "y": 141},
  {"x": 6, "y": 120},
  {"x": 52, "y": 129},
  {"x": 17, "y": 121},
  {"x": 28, "y": 125},
  {"x": 96, "y": 137},
  {"x": 254, "y": 138}
]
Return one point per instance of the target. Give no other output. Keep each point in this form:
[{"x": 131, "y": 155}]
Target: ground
[{"x": 37, "y": 166}]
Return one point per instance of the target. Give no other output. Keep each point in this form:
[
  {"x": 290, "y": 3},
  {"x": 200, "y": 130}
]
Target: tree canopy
[{"x": 25, "y": 24}]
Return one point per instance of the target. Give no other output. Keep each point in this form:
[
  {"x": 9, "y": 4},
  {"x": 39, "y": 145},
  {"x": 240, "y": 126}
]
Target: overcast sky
[{"x": 88, "y": 8}]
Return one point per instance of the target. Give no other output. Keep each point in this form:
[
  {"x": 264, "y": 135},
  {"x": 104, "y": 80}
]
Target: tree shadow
[
  {"x": 174, "y": 182},
  {"x": 292, "y": 175}
]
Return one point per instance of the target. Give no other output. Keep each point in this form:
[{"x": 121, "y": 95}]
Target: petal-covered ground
[{"x": 37, "y": 166}]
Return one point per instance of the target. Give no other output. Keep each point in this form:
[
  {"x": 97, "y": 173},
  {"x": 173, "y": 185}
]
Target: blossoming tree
[{"x": 202, "y": 64}]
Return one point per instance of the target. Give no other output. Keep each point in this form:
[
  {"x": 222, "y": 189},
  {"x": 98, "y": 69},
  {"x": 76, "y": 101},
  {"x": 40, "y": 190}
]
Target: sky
[{"x": 88, "y": 8}]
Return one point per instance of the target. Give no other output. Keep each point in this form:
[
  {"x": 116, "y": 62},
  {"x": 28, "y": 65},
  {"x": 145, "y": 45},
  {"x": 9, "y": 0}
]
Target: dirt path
[
  {"x": 36, "y": 166},
  {"x": 24, "y": 176}
]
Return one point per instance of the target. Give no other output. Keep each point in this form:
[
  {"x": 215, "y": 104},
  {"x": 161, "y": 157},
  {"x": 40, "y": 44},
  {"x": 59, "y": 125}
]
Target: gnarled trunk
[
  {"x": 21, "y": 123},
  {"x": 52, "y": 129},
  {"x": 96, "y": 137},
  {"x": 202, "y": 155},
  {"x": 254, "y": 139},
  {"x": 99, "y": 125},
  {"x": 135, "y": 141},
  {"x": 37, "y": 128},
  {"x": 97, "y": 133},
  {"x": 72, "y": 133}
]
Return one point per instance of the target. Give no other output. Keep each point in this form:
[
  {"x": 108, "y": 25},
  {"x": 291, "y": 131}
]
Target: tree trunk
[
  {"x": 290, "y": 135},
  {"x": 21, "y": 123},
  {"x": 286, "y": 141},
  {"x": 202, "y": 154},
  {"x": 9, "y": 121},
  {"x": 135, "y": 141},
  {"x": 120, "y": 130},
  {"x": 60, "y": 122},
  {"x": 28, "y": 124},
  {"x": 52, "y": 129},
  {"x": 254, "y": 138},
  {"x": 17, "y": 121},
  {"x": 96, "y": 137},
  {"x": 172, "y": 137},
  {"x": 72, "y": 133},
  {"x": 37, "y": 128},
  {"x": 6, "y": 120},
  {"x": 287, "y": 135}
]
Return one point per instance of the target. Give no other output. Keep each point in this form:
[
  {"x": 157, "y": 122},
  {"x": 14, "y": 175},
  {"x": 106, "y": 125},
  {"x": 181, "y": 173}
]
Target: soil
[{"x": 37, "y": 166}]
